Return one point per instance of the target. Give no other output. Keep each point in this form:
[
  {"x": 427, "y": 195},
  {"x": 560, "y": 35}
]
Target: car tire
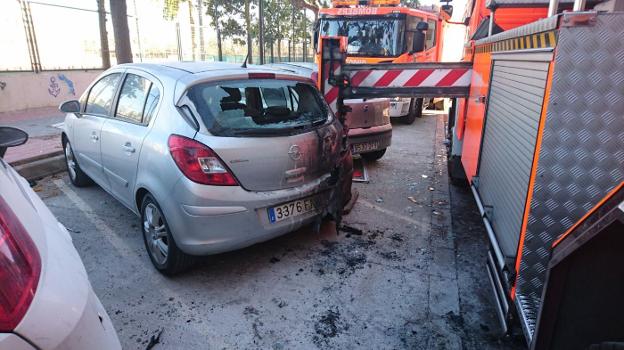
[
  {"x": 77, "y": 177},
  {"x": 158, "y": 238},
  {"x": 373, "y": 156},
  {"x": 415, "y": 111}
]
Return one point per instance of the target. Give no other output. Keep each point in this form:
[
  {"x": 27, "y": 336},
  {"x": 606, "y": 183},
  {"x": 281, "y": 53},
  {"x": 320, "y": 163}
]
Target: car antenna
[{"x": 245, "y": 63}]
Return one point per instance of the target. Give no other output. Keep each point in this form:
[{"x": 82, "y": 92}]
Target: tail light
[
  {"x": 20, "y": 267},
  {"x": 199, "y": 163}
]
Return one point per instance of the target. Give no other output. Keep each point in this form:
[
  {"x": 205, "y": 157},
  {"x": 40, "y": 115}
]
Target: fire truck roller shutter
[{"x": 511, "y": 125}]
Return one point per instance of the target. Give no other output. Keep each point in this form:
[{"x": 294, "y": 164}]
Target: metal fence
[{"x": 39, "y": 36}]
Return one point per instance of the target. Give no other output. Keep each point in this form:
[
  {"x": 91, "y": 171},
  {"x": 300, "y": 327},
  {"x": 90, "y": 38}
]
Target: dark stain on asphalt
[{"x": 328, "y": 325}]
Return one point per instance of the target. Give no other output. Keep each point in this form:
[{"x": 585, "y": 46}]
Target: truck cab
[{"x": 383, "y": 31}]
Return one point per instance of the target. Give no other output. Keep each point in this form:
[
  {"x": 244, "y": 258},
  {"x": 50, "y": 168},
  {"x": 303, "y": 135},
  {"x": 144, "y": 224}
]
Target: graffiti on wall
[
  {"x": 54, "y": 89},
  {"x": 2, "y": 85},
  {"x": 69, "y": 83}
]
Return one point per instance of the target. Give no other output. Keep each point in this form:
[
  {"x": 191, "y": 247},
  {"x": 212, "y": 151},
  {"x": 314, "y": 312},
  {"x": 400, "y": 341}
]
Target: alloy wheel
[{"x": 156, "y": 234}]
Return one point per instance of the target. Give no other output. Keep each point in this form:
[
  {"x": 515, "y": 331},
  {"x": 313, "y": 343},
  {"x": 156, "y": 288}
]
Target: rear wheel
[
  {"x": 373, "y": 156},
  {"x": 77, "y": 177},
  {"x": 165, "y": 255},
  {"x": 415, "y": 111}
]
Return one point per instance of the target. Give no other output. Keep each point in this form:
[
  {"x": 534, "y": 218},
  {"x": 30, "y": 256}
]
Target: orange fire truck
[{"x": 383, "y": 31}]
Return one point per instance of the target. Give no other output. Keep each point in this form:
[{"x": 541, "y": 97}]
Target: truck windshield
[
  {"x": 258, "y": 107},
  {"x": 367, "y": 37}
]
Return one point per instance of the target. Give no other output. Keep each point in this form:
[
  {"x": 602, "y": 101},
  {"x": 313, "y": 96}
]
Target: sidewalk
[{"x": 42, "y": 126}]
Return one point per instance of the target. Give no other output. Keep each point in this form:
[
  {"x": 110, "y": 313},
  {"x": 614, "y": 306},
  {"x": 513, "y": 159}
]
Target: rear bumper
[
  {"x": 379, "y": 136},
  {"x": 399, "y": 108},
  {"x": 209, "y": 220}
]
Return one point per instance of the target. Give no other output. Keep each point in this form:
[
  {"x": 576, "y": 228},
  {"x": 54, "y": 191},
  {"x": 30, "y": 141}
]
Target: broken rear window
[{"x": 258, "y": 107}]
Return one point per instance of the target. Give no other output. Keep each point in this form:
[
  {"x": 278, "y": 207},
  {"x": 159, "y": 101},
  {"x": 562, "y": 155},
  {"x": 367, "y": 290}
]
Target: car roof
[{"x": 193, "y": 67}]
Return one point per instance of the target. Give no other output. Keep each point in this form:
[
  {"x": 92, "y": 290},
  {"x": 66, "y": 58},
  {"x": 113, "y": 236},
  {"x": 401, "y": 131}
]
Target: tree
[
  {"x": 170, "y": 12},
  {"x": 105, "y": 51},
  {"x": 119, "y": 15}
]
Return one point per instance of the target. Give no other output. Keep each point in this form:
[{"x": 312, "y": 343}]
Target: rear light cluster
[
  {"x": 20, "y": 267},
  {"x": 199, "y": 163}
]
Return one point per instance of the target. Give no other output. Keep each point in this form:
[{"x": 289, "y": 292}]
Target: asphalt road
[{"x": 410, "y": 273}]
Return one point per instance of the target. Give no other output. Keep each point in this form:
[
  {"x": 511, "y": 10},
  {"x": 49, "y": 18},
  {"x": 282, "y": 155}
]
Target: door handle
[
  {"x": 128, "y": 147},
  {"x": 94, "y": 137}
]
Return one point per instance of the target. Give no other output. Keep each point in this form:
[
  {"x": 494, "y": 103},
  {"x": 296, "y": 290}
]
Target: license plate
[
  {"x": 290, "y": 209},
  {"x": 365, "y": 147}
]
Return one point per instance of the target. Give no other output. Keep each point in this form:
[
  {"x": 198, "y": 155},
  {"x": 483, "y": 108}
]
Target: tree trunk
[
  {"x": 218, "y": 28},
  {"x": 105, "y": 51},
  {"x": 119, "y": 15},
  {"x": 261, "y": 29},
  {"x": 305, "y": 36},
  {"x": 200, "y": 21},
  {"x": 279, "y": 50},
  {"x": 248, "y": 29},
  {"x": 289, "y": 52},
  {"x": 192, "y": 23},
  {"x": 272, "y": 55}
]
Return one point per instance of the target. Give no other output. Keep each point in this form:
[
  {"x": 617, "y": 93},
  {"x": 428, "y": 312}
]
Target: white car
[{"x": 46, "y": 300}]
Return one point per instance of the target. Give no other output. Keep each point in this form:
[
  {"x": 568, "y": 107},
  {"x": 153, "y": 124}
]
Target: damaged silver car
[{"x": 212, "y": 157}]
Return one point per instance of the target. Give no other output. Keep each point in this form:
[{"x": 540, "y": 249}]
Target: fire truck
[
  {"x": 537, "y": 133},
  {"x": 383, "y": 31}
]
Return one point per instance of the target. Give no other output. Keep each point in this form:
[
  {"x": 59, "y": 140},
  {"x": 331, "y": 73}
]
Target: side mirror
[
  {"x": 11, "y": 137},
  {"x": 448, "y": 9},
  {"x": 418, "y": 42},
  {"x": 71, "y": 106}
]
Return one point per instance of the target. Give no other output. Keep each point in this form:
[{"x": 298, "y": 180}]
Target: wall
[{"x": 24, "y": 90}]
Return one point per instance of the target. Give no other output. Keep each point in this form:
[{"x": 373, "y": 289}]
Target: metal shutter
[{"x": 513, "y": 112}]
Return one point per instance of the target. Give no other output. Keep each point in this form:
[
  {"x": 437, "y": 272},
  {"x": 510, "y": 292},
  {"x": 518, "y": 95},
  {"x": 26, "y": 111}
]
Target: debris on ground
[
  {"x": 329, "y": 324},
  {"x": 154, "y": 339},
  {"x": 379, "y": 200},
  {"x": 274, "y": 260},
  {"x": 424, "y": 176},
  {"x": 351, "y": 230},
  {"x": 412, "y": 199}
]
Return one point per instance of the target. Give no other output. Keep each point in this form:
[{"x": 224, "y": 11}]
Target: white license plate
[
  {"x": 290, "y": 209},
  {"x": 365, "y": 147}
]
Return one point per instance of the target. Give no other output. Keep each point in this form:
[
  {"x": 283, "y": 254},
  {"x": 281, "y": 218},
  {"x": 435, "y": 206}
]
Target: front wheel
[
  {"x": 373, "y": 156},
  {"x": 77, "y": 177},
  {"x": 415, "y": 111},
  {"x": 165, "y": 255}
]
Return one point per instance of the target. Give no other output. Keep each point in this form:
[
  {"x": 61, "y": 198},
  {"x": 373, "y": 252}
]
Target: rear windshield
[{"x": 258, "y": 107}]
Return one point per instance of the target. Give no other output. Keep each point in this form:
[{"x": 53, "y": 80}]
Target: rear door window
[
  {"x": 101, "y": 96},
  {"x": 133, "y": 98},
  {"x": 258, "y": 107}
]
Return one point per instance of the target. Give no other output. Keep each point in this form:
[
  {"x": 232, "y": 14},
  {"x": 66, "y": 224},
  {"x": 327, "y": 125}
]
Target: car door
[
  {"x": 123, "y": 134},
  {"x": 87, "y": 129}
]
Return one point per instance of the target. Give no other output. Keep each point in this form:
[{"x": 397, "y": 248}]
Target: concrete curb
[{"x": 39, "y": 167}]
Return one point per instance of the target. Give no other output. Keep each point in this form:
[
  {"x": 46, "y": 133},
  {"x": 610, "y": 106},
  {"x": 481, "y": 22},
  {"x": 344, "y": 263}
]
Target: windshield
[
  {"x": 367, "y": 37},
  {"x": 258, "y": 107}
]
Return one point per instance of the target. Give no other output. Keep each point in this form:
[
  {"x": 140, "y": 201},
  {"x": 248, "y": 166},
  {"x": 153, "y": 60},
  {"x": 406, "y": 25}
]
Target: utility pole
[
  {"x": 261, "y": 29},
  {"x": 200, "y": 21}
]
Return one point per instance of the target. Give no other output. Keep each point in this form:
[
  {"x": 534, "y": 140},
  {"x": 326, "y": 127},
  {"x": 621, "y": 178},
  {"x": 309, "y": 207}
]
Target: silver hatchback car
[{"x": 213, "y": 157}]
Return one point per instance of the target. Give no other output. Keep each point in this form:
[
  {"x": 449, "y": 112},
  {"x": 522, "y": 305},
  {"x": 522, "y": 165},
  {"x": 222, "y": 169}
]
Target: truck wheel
[
  {"x": 77, "y": 177},
  {"x": 162, "y": 249},
  {"x": 374, "y": 156},
  {"x": 415, "y": 111}
]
